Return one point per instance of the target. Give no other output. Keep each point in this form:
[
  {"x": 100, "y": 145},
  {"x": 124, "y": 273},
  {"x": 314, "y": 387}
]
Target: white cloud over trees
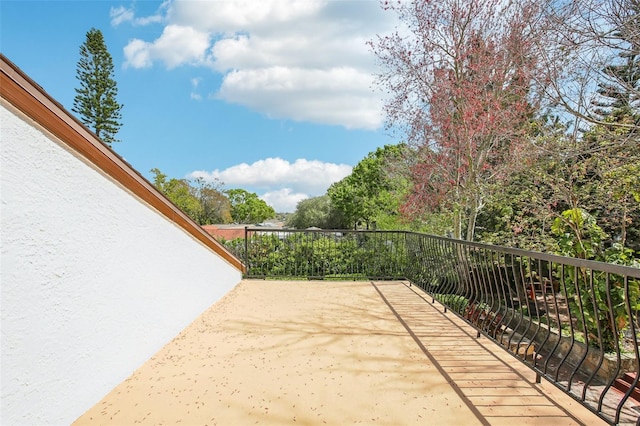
[{"x": 280, "y": 183}]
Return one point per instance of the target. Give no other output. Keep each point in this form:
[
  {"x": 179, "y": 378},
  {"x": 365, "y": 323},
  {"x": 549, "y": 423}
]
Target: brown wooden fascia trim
[{"x": 25, "y": 95}]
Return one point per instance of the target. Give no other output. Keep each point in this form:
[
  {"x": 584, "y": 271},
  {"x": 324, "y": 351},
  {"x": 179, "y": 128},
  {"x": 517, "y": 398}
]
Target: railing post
[{"x": 246, "y": 247}]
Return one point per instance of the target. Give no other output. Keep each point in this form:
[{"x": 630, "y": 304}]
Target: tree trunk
[
  {"x": 476, "y": 206},
  {"x": 457, "y": 224}
]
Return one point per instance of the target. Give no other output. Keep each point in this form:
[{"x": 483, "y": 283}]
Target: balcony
[
  {"x": 397, "y": 328},
  {"x": 332, "y": 352},
  {"x": 571, "y": 321}
]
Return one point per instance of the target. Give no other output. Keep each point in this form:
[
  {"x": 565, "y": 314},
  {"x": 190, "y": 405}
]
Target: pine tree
[
  {"x": 617, "y": 92},
  {"x": 619, "y": 89},
  {"x": 95, "y": 100}
]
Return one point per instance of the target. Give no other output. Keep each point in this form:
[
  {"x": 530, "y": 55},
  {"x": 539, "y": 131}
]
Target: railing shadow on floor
[
  {"x": 478, "y": 369},
  {"x": 572, "y": 321}
]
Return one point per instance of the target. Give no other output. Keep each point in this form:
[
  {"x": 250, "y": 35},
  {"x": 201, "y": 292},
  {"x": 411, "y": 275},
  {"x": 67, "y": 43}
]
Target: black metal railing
[
  {"x": 318, "y": 254},
  {"x": 573, "y": 321}
]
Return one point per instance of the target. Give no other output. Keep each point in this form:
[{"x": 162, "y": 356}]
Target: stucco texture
[{"x": 94, "y": 281}]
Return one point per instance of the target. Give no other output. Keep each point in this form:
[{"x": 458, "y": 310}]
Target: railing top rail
[
  {"x": 323, "y": 231},
  {"x": 570, "y": 261}
]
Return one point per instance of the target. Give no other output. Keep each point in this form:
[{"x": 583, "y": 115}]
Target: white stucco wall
[{"x": 93, "y": 281}]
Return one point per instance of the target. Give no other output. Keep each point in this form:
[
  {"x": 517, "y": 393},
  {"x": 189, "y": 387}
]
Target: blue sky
[{"x": 273, "y": 96}]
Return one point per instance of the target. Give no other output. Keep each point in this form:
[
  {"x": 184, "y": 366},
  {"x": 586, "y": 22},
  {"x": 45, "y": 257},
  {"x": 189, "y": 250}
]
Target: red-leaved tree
[{"x": 461, "y": 78}]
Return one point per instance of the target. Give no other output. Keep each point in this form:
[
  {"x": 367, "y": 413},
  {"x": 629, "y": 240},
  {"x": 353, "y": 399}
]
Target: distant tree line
[{"x": 208, "y": 203}]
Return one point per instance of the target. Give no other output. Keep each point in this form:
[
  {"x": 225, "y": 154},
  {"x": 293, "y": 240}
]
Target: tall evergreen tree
[
  {"x": 619, "y": 87},
  {"x": 95, "y": 100}
]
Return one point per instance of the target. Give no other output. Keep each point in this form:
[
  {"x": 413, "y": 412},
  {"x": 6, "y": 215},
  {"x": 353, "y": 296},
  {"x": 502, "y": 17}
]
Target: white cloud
[
  {"x": 176, "y": 46},
  {"x": 241, "y": 15},
  {"x": 310, "y": 176},
  {"x": 333, "y": 96},
  {"x": 304, "y": 60},
  {"x": 179, "y": 45},
  {"x": 195, "y": 82},
  {"x": 122, "y": 14},
  {"x": 283, "y": 200},
  {"x": 281, "y": 183},
  {"x": 138, "y": 54}
]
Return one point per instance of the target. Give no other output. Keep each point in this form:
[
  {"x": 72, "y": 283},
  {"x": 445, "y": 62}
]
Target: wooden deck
[{"x": 276, "y": 352}]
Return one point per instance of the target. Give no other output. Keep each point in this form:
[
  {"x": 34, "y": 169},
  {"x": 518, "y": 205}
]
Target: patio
[{"x": 323, "y": 352}]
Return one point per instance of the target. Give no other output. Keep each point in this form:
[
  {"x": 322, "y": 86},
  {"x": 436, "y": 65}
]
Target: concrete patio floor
[{"x": 319, "y": 352}]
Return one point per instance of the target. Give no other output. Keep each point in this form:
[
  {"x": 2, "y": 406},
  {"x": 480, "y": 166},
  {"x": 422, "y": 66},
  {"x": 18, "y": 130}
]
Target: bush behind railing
[{"x": 316, "y": 254}]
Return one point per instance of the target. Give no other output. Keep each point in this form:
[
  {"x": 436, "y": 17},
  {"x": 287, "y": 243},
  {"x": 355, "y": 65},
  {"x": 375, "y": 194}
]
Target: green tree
[
  {"x": 596, "y": 172},
  {"x": 216, "y": 207},
  {"x": 613, "y": 143},
  {"x": 179, "y": 191},
  {"x": 372, "y": 193},
  {"x": 246, "y": 207},
  {"x": 610, "y": 172},
  {"x": 204, "y": 202},
  {"x": 318, "y": 212},
  {"x": 95, "y": 100},
  {"x": 591, "y": 294}
]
